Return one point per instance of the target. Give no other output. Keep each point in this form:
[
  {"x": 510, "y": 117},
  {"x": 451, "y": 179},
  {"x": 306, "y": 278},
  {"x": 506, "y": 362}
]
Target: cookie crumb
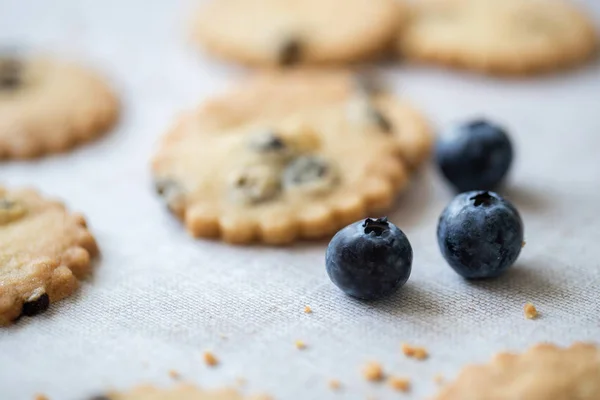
[
  {"x": 373, "y": 372},
  {"x": 334, "y": 384},
  {"x": 210, "y": 359},
  {"x": 174, "y": 374},
  {"x": 438, "y": 379},
  {"x": 300, "y": 345},
  {"x": 530, "y": 311},
  {"x": 399, "y": 384},
  {"x": 307, "y": 310},
  {"x": 419, "y": 353},
  {"x": 240, "y": 381},
  {"x": 41, "y": 397},
  {"x": 523, "y": 243}
]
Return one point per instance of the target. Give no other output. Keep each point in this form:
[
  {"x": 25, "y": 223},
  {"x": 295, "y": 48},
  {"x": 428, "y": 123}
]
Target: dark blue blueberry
[
  {"x": 474, "y": 156},
  {"x": 369, "y": 259},
  {"x": 480, "y": 234}
]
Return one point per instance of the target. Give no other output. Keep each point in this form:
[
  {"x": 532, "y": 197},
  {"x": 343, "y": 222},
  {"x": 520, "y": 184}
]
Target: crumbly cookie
[
  {"x": 502, "y": 37},
  {"x": 44, "y": 250},
  {"x": 283, "y": 33},
  {"x": 181, "y": 392},
  {"x": 288, "y": 156},
  {"x": 542, "y": 373},
  {"x": 48, "y": 106}
]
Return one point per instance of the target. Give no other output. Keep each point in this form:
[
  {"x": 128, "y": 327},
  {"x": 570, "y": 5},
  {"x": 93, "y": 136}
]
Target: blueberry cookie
[
  {"x": 48, "y": 106},
  {"x": 283, "y": 33},
  {"x": 289, "y": 155},
  {"x": 544, "y": 372},
  {"x": 500, "y": 37},
  {"x": 44, "y": 251},
  {"x": 182, "y": 392}
]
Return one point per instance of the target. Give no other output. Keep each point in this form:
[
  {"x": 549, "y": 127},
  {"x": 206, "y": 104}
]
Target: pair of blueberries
[{"x": 480, "y": 234}]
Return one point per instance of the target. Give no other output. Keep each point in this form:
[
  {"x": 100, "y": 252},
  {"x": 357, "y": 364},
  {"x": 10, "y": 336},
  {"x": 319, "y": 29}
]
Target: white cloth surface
[{"x": 159, "y": 298}]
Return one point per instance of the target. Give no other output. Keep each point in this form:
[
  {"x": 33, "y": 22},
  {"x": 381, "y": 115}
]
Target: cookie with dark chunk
[
  {"x": 282, "y": 33},
  {"x": 48, "y": 106},
  {"x": 44, "y": 251},
  {"x": 288, "y": 156}
]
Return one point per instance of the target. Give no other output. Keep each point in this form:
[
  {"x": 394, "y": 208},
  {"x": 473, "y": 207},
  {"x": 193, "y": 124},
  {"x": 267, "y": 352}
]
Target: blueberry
[
  {"x": 480, "y": 234},
  {"x": 474, "y": 156},
  {"x": 369, "y": 259}
]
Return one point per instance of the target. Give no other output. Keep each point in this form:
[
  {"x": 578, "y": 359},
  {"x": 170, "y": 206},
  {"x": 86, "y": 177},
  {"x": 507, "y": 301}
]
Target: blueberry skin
[
  {"x": 480, "y": 234},
  {"x": 474, "y": 156},
  {"x": 369, "y": 259}
]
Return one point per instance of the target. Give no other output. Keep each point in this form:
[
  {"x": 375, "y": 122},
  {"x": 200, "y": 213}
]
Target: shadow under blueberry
[
  {"x": 408, "y": 300},
  {"x": 527, "y": 281}
]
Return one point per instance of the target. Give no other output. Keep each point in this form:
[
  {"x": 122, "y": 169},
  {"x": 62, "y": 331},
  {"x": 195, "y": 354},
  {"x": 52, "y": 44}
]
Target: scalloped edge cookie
[
  {"x": 52, "y": 106},
  {"x": 298, "y": 99},
  {"x": 307, "y": 32},
  {"x": 44, "y": 252},
  {"x": 543, "y": 372},
  {"x": 476, "y": 35}
]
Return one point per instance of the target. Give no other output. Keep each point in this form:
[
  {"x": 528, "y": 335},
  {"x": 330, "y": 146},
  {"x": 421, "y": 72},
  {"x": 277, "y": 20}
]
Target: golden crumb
[
  {"x": 41, "y": 397},
  {"x": 210, "y": 359},
  {"x": 307, "y": 310},
  {"x": 438, "y": 379},
  {"x": 420, "y": 353},
  {"x": 334, "y": 384},
  {"x": 523, "y": 243},
  {"x": 174, "y": 374},
  {"x": 530, "y": 311},
  {"x": 300, "y": 345},
  {"x": 240, "y": 381},
  {"x": 399, "y": 384},
  {"x": 373, "y": 372}
]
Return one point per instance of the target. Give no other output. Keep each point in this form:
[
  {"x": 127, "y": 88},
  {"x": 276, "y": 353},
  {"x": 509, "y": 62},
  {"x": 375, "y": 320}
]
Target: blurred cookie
[
  {"x": 48, "y": 106},
  {"x": 545, "y": 372},
  {"x": 287, "y": 156},
  {"x": 283, "y": 33},
  {"x": 44, "y": 251},
  {"x": 500, "y": 37},
  {"x": 182, "y": 392}
]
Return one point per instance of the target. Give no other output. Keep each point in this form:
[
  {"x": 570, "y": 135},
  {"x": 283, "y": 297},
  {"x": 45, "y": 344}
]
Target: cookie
[
  {"x": 182, "y": 392},
  {"x": 44, "y": 251},
  {"x": 47, "y": 106},
  {"x": 542, "y": 373},
  {"x": 287, "y": 156},
  {"x": 498, "y": 37},
  {"x": 283, "y": 33}
]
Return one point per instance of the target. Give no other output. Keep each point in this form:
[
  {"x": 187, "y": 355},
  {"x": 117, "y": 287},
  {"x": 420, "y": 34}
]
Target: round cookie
[
  {"x": 181, "y": 392},
  {"x": 543, "y": 372},
  {"x": 282, "y": 33},
  {"x": 48, "y": 106},
  {"x": 44, "y": 250},
  {"x": 287, "y": 156},
  {"x": 498, "y": 37}
]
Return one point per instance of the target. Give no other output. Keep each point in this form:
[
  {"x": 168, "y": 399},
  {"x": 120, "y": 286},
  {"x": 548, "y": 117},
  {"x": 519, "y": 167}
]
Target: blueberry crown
[
  {"x": 377, "y": 226},
  {"x": 483, "y": 199}
]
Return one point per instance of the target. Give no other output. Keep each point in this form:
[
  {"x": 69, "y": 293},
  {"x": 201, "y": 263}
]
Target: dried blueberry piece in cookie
[
  {"x": 369, "y": 259},
  {"x": 363, "y": 111},
  {"x": 480, "y": 234},
  {"x": 10, "y": 73},
  {"x": 43, "y": 254},
  {"x": 82, "y": 105},
  {"x": 11, "y": 210},
  {"x": 310, "y": 173},
  {"x": 290, "y": 51},
  {"x": 255, "y": 183},
  {"x": 269, "y": 142},
  {"x": 474, "y": 156}
]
